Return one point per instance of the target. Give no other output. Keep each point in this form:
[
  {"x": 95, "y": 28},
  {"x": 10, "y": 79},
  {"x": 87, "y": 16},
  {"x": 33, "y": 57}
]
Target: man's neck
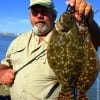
[{"x": 41, "y": 38}]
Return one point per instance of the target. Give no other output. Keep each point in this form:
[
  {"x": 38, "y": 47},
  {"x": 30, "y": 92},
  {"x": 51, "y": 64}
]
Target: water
[
  {"x": 4, "y": 43},
  {"x": 94, "y": 91}
]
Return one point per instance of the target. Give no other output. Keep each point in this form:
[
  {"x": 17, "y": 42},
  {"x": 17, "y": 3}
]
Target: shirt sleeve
[
  {"x": 13, "y": 47},
  {"x": 16, "y": 45}
]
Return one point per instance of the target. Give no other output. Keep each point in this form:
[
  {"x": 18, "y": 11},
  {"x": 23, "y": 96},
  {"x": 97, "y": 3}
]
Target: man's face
[{"x": 42, "y": 19}]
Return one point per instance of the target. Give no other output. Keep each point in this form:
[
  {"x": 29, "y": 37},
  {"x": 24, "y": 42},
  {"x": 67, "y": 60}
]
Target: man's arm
[
  {"x": 94, "y": 30},
  {"x": 84, "y": 8}
]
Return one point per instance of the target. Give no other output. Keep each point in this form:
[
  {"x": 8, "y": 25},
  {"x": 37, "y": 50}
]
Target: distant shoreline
[{"x": 9, "y": 34}]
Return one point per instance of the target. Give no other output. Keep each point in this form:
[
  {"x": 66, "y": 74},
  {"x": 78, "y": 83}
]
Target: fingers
[
  {"x": 81, "y": 6},
  {"x": 77, "y": 4},
  {"x": 8, "y": 76},
  {"x": 88, "y": 9}
]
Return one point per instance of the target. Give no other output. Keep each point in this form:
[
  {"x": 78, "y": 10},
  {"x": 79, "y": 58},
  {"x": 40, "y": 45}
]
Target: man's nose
[{"x": 39, "y": 15}]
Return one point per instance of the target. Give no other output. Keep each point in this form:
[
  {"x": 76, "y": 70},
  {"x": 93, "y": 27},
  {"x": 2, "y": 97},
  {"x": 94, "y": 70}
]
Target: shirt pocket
[{"x": 17, "y": 57}]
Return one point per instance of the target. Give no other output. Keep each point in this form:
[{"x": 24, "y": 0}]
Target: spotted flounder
[{"x": 72, "y": 57}]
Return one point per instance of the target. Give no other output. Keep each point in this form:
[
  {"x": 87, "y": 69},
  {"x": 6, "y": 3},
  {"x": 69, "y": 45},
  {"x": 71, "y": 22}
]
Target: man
[{"x": 25, "y": 67}]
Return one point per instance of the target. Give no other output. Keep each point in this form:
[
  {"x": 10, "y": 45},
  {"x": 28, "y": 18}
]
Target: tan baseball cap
[{"x": 45, "y": 3}]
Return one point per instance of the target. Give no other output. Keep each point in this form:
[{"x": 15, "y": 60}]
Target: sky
[{"x": 14, "y": 14}]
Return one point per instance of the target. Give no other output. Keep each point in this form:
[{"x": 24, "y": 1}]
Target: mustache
[{"x": 40, "y": 21}]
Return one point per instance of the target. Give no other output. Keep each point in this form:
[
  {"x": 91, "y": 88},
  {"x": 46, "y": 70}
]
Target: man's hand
[
  {"x": 7, "y": 76},
  {"x": 81, "y": 8}
]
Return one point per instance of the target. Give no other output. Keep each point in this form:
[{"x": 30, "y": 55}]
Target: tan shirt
[{"x": 35, "y": 80}]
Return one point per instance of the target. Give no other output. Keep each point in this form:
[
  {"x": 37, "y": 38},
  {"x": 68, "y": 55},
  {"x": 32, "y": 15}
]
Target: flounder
[{"x": 72, "y": 57}]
